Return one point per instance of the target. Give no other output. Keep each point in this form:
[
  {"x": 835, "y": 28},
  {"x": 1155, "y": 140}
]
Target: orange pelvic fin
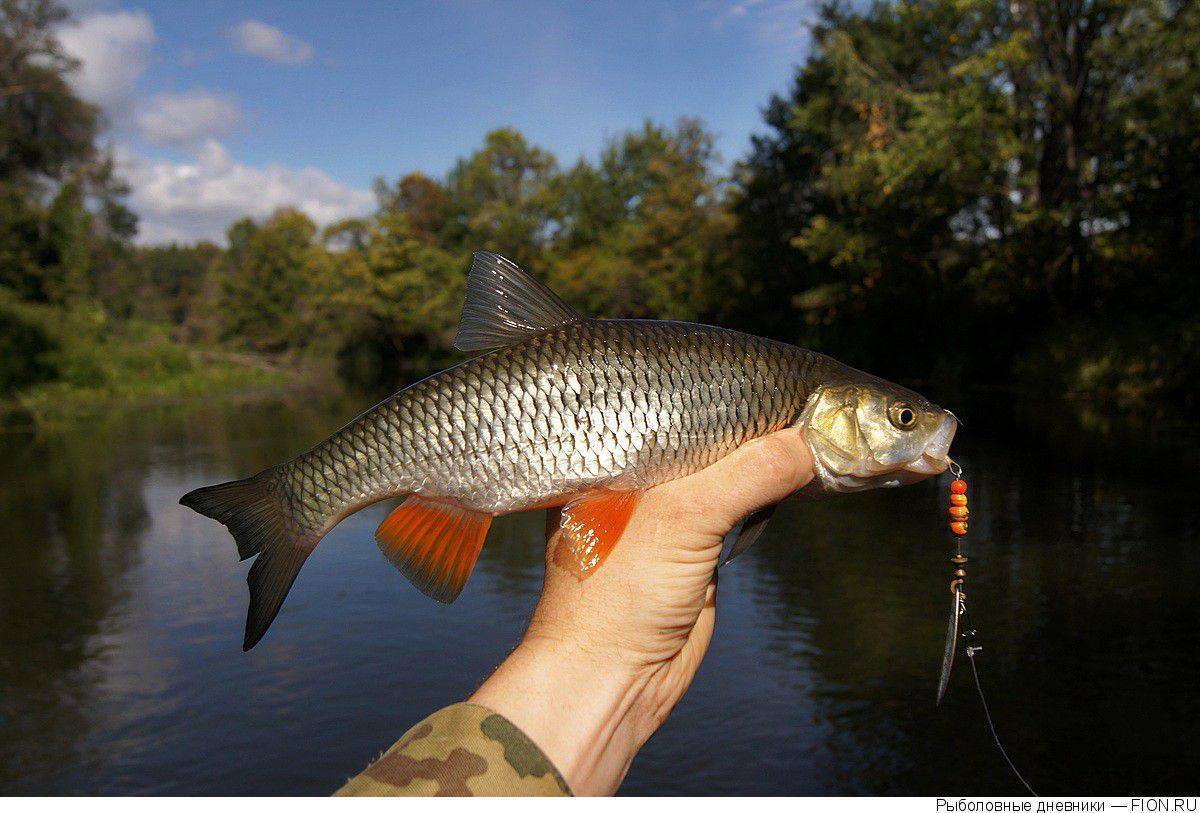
[
  {"x": 590, "y": 527},
  {"x": 435, "y": 544}
]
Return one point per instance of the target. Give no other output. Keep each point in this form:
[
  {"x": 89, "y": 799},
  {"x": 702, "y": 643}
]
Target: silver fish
[{"x": 563, "y": 410}]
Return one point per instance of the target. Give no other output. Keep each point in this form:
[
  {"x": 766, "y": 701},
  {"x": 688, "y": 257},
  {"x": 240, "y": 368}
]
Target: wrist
[{"x": 588, "y": 713}]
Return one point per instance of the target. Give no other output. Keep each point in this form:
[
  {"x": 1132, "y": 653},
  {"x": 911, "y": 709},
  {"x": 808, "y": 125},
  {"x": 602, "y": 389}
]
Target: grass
[
  {"x": 59, "y": 401},
  {"x": 145, "y": 365}
]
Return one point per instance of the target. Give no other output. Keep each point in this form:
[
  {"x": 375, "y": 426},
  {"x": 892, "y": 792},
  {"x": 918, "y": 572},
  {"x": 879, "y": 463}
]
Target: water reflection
[
  {"x": 122, "y": 672},
  {"x": 73, "y": 521}
]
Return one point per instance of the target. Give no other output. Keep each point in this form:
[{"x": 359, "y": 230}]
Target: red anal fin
[
  {"x": 590, "y": 527},
  {"x": 435, "y": 544}
]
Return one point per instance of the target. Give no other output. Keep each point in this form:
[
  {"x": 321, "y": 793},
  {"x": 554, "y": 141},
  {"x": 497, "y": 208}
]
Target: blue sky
[{"x": 224, "y": 109}]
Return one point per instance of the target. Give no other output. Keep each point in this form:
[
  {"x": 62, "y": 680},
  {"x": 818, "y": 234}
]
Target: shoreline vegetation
[
  {"x": 963, "y": 193},
  {"x": 196, "y": 373}
]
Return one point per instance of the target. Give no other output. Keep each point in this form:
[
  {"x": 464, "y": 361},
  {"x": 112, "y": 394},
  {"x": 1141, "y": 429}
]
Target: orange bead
[
  {"x": 958, "y": 499},
  {"x": 959, "y": 512},
  {"x": 958, "y": 487},
  {"x": 959, "y": 528}
]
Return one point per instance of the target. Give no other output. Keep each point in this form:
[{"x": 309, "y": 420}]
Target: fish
[{"x": 558, "y": 410}]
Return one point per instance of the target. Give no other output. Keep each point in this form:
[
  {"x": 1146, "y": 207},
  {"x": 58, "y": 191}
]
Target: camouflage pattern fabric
[{"x": 462, "y": 750}]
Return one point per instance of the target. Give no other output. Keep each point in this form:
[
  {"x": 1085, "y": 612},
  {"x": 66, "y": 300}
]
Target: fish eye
[{"x": 902, "y": 415}]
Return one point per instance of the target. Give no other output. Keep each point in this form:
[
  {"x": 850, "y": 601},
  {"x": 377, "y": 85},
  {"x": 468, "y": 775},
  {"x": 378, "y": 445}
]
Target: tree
[
  {"x": 986, "y": 167},
  {"x": 267, "y": 277},
  {"x": 500, "y": 197},
  {"x": 46, "y": 131},
  {"x": 426, "y": 203},
  {"x": 63, "y": 229},
  {"x": 48, "y": 152},
  {"x": 642, "y": 233},
  {"x": 400, "y": 304}
]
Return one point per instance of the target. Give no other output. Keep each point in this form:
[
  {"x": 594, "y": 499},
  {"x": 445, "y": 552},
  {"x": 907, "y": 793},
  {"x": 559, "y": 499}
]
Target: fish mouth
[{"x": 935, "y": 457}]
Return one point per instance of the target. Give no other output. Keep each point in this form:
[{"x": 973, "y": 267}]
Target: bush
[{"x": 26, "y": 345}]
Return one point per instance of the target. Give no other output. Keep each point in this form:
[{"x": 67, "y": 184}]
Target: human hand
[{"x": 606, "y": 658}]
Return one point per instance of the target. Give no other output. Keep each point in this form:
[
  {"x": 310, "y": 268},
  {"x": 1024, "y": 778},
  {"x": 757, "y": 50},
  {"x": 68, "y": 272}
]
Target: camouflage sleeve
[{"x": 462, "y": 750}]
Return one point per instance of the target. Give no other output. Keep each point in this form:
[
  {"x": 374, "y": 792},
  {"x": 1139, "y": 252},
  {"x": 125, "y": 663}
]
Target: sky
[{"x": 221, "y": 110}]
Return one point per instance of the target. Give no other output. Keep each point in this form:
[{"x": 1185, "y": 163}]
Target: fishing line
[
  {"x": 971, "y": 650},
  {"x": 959, "y": 516}
]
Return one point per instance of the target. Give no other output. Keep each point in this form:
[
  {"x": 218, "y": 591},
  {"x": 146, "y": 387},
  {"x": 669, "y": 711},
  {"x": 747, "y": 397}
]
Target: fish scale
[{"x": 552, "y": 417}]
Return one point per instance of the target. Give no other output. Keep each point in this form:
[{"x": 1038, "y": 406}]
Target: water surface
[{"x": 121, "y": 619}]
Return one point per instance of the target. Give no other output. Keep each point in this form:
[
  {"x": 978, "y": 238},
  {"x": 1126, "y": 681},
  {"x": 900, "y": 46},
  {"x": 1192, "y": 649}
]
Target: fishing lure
[{"x": 959, "y": 512}]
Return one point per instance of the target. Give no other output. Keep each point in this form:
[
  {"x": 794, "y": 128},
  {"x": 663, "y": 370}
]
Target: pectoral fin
[
  {"x": 435, "y": 544},
  {"x": 589, "y": 529},
  {"x": 749, "y": 532}
]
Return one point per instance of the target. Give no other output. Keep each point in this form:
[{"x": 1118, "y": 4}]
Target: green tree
[
  {"x": 984, "y": 169},
  {"x": 46, "y": 138},
  {"x": 643, "y": 232},
  {"x": 46, "y": 131},
  {"x": 425, "y": 201},
  {"x": 168, "y": 283},
  {"x": 500, "y": 197},
  {"x": 62, "y": 224},
  {"x": 267, "y": 279}
]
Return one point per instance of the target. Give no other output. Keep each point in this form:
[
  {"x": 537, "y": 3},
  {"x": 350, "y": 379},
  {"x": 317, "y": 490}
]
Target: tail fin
[{"x": 259, "y": 522}]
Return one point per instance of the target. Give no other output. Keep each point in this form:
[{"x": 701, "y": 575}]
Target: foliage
[
  {"x": 26, "y": 344},
  {"x": 46, "y": 132},
  {"x": 1002, "y": 175},
  {"x": 642, "y": 234},
  {"x": 973, "y": 189},
  {"x": 499, "y": 196}
]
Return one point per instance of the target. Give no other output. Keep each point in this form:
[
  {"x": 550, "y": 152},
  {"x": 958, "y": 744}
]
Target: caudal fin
[{"x": 260, "y": 524}]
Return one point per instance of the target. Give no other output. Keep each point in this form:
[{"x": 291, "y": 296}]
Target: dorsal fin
[{"x": 505, "y": 305}]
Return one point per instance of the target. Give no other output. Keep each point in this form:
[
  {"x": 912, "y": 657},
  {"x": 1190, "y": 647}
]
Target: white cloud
[
  {"x": 774, "y": 22},
  {"x": 198, "y": 200},
  {"x": 740, "y": 9},
  {"x": 268, "y": 42},
  {"x": 187, "y": 118},
  {"x": 114, "y": 49}
]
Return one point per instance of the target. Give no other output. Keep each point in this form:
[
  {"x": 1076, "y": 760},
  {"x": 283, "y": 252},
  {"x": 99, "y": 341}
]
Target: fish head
[{"x": 874, "y": 434}]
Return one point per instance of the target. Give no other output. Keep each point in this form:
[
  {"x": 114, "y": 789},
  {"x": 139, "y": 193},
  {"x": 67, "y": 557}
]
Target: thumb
[{"x": 758, "y": 473}]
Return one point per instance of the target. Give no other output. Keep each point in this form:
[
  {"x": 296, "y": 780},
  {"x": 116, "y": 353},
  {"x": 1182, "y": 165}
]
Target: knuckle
[{"x": 777, "y": 461}]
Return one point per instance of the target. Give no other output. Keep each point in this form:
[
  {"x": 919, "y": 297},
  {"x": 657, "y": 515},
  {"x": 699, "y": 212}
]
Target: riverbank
[{"x": 126, "y": 374}]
